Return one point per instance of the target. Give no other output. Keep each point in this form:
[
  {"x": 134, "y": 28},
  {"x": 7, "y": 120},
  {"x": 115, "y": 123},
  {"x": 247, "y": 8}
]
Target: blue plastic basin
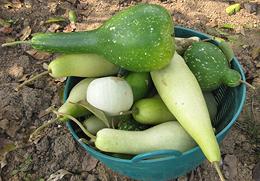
[{"x": 171, "y": 164}]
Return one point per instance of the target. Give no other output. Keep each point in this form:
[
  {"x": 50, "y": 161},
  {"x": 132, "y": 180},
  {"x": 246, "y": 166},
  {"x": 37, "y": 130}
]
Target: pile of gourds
[{"x": 157, "y": 102}]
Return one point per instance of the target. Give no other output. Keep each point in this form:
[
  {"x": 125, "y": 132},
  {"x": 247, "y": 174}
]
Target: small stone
[
  {"x": 230, "y": 166},
  {"x": 91, "y": 178},
  {"x": 258, "y": 65},
  {"x": 4, "y": 124},
  {"x": 43, "y": 144},
  {"x": 24, "y": 61},
  {"x": 84, "y": 175},
  {"x": 89, "y": 163},
  {"x": 54, "y": 27}
]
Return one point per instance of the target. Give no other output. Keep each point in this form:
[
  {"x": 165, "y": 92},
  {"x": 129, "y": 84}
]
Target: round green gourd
[
  {"x": 140, "y": 83},
  {"x": 93, "y": 124},
  {"x": 210, "y": 66},
  {"x": 151, "y": 111},
  {"x": 137, "y": 39}
]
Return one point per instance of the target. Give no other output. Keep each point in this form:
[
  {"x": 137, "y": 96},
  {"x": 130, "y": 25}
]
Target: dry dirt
[{"x": 22, "y": 111}]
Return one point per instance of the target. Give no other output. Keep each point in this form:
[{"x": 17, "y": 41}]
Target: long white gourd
[
  {"x": 164, "y": 136},
  {"x": 181, "y": 93}
]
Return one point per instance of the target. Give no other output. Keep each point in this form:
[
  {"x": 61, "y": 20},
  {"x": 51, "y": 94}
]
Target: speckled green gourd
[
  {"x": 210, "y": 66},
  {"x": 137, "y": 39}
]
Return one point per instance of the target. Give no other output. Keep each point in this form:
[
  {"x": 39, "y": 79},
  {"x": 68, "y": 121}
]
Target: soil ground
[{"x": 56, "y": 152}]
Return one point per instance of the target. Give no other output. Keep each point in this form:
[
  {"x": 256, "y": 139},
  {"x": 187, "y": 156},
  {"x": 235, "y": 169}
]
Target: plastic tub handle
[{"x": 154, "y": 154}]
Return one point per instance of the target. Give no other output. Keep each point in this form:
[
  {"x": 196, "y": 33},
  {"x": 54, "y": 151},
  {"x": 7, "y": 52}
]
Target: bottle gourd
[
  {"x": 137, "y": 39},
  {"x": 181, "y": 93}
]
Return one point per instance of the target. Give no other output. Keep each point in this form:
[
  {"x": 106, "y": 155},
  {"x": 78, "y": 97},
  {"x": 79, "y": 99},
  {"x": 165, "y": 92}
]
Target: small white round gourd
[{"x": 110, "y": 94}]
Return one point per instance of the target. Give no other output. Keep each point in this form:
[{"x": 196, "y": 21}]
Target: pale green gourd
[
  {"x": 169, "y": 135},
  {"x": 181, "y": 93}
]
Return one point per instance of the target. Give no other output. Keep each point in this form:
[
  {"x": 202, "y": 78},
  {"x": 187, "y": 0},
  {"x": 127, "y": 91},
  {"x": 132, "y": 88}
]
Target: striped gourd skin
[
  {"x": 137, "y": 39},
  {"x": 210, "y": 66}
]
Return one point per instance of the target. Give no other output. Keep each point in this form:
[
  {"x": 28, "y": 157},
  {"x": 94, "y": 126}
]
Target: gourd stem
[
  {"x": 206, "y": 40},
  {"x": 78, "y": 123},
  {"x": 247, "y": 84},
  {"x": 128, "y": 112},
  {"x": 16, "y": 43},
  {"x": 35, "y": 133},
  {"x": 31, "y": 79},
  {"x": 216, "y": 165},
  {"x": 83, "y": 140}
]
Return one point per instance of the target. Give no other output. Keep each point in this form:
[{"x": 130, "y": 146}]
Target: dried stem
[
  {"x": 31, "y": 79},
  {"x": 216, "y": 165},
  {"x": 16, "y": 43},
  {"x": 247, "y": 84}
]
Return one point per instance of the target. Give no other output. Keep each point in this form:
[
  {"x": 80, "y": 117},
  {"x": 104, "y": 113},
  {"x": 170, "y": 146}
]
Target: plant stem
[
  {"x": 31, "y": 79},
  {"x": 216, "y": 165},
  {"x": 134, "y": 110},
  {"x": 247, "y": 84},
  {"x": 79, "y": 124},
  {"x": 83, "y": 140},
  {"x": 36, "y": 132},
  {"x": 126, "y": 112},
  {"x": 16, "y": 43},
  {"x": 206, "y": 40}
]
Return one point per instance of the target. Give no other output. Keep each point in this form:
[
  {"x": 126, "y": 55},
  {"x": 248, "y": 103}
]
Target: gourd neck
[{"x": 74, "y": 42}]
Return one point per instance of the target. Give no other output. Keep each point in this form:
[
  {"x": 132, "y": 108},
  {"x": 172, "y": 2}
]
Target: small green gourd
[
  {"x": 140, "y": 83},
  {"x": 68, "y": 110},
  {"x": 151, "y": 111},
  {"x": 78, "y": 65},
  {"x": 93, "y": 124},
  {"x": 210, "y": 66},
  {"x": 137, "y": 39}
]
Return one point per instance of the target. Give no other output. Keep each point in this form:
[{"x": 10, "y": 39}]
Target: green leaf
[
  {"x": 228, "y": 26},
  {"x": 72, "y": 16},
  {"x": 55, "y": 20},
  {"x": 97, "y": 112},
  {"x": 232, "y": 9},
  {"x": 218, "y": 39}
]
